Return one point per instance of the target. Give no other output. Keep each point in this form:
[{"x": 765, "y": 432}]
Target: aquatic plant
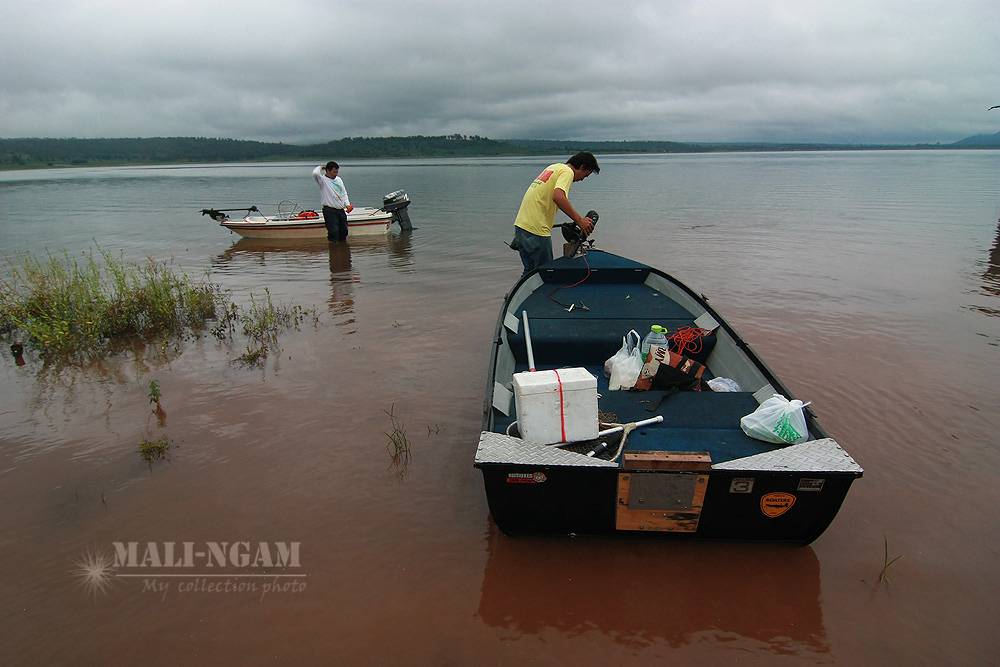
[
  {"x": 261, "y": 323},
  {"x": 398, "y": 445},
  {"x": 153, "y": 451},
  {"x": 154, "y": 392},
  {"x": 154, "y": 397},
  {"x": 76, "y": 311},
  {"x": 80, "y": 310},
  {"x": 882, "y": 577}
]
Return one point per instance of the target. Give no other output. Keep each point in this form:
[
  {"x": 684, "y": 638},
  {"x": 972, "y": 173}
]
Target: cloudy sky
[{"x": 308, "y": 71}]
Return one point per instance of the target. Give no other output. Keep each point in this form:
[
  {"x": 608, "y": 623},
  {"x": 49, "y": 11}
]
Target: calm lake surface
[{"x": 869, "y": 281}]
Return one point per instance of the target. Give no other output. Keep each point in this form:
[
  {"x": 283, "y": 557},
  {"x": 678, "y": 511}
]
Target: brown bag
[{"x": 665, "y": 369}]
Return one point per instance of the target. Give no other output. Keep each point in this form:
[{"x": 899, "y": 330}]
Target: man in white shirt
[{"x": 336, "y": 204}]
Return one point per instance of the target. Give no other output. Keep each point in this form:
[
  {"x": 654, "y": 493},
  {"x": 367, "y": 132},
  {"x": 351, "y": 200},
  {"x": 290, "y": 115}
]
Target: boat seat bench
[{"x": 572, "y": 338}]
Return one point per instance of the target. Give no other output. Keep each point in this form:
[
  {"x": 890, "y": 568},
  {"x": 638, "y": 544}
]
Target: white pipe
[
  {"x": 616, "y": 429},
  {"x": 644, "y": 422},
  {"x": 527, "y": 342}
]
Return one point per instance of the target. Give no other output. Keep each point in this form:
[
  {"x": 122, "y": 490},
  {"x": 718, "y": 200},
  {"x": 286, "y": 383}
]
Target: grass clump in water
[
  {"x": 153, "y": 451},
  {"x": 81, "y": 310},
  {"x": 883, "y": 577},
  {"x": 76, "y": 311},
  {"x": 261, "y": 323},
  {"x": 398, "y": 445}
]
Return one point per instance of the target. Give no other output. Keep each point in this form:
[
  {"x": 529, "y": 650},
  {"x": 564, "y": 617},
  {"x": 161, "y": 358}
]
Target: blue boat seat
[{"x": 589, "y": 334}]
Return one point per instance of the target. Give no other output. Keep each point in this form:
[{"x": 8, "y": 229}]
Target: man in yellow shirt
[{"x": 536, "y": 217}]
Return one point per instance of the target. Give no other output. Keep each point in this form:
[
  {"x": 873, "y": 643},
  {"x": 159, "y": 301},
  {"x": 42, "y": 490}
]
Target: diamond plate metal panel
[
  {"x": 823, "y": 455},
  {"x": 499, "y": 448}
]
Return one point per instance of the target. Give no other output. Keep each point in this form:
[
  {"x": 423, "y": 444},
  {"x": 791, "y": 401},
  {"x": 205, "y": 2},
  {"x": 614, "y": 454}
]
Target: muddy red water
[{"x": 282, "y": 530}]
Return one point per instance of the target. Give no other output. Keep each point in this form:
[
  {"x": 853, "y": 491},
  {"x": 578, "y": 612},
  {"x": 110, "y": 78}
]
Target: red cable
[
  {"x": 689, "y": 338},
  {"x": 574, "y": 284}
]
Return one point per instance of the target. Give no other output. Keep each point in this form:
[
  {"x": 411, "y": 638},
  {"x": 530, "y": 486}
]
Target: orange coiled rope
[{"x": 688, "y": 339}]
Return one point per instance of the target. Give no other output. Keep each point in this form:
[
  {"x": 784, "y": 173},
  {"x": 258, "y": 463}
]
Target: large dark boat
[{"x": 679, "y": 464}]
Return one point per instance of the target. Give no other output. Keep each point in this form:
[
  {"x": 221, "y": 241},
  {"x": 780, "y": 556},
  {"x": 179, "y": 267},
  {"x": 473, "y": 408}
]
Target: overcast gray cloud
[{"x": 871, "y": 71}]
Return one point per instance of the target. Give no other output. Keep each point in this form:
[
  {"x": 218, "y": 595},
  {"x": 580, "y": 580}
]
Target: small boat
[
  {"x": 665, "y": 463},
  {"x": 292, "y": 222}
]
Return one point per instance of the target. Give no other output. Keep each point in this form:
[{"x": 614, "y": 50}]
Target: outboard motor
[
  {"x": 574, "y": 235},
  {"x": 396, "y": 203}
]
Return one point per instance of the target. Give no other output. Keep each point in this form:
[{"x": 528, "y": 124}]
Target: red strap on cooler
[{"x": 562, "y": 413}]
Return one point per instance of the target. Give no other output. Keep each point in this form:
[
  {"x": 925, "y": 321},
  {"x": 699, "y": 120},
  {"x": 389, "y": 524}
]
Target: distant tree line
[
  {"x": 33, "y": 152},
  {"x": 28, "y": 153},
  {"x": 22, "y": 153}
]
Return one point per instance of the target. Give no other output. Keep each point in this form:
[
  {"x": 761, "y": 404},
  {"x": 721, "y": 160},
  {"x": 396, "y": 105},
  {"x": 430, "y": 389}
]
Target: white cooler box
[{"x": 556, "y": 406}]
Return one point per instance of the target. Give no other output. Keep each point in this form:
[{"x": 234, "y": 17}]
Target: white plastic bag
[
  {"x": 723, "y": 384},
  {"x": 625, "y": 365},
  {"x": 623, "y": 353},
  {"x": 777, "y": 420}
]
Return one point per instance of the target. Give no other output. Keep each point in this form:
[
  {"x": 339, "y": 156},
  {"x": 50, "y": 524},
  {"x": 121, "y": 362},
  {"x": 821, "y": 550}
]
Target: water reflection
[
  {"x": 991, "y": 276},
  {"x": 343, "y": 277},
  {"x": 299, "y": 259},
  {"x": 261, "y": 249},
  {"x": 645, "y": 593},
  {"x": 397, "y": 246}
]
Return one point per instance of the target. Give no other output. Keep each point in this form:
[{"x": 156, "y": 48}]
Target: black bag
[{"x": 666, "y": 370}]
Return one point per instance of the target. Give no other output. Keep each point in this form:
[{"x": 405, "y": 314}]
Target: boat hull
[
  {"x": 574, "y": 501},
  {"x": 360, "y": 222},
  {"x": 696, "y": 474}
]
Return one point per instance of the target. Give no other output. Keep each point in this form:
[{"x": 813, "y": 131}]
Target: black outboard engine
[
  {"x": 574, "y": 235},
  {"x": 396, "y": 203}
]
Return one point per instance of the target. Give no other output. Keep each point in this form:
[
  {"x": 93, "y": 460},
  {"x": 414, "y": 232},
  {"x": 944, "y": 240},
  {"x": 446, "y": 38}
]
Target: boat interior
[{"x": 579, "y": 311}]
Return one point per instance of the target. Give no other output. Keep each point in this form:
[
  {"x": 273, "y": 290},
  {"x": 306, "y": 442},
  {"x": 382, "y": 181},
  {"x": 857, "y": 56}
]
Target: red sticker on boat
[
  {"x": 776, "y": 504},
  {"x": 525, "y": 477}
]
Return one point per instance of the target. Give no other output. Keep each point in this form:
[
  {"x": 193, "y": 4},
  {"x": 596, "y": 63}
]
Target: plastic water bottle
[{"x": 657, "y": 336}]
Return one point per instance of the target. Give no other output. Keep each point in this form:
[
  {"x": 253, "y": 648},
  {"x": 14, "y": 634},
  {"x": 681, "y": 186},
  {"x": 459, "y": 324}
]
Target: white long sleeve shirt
[{"x": 333, "y": 193}]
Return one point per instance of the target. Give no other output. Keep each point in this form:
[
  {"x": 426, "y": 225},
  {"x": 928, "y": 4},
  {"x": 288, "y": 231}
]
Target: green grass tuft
[
  {"x": 72, "y": 311},
  {"x": 883, "y": 577},
  {"x": 153, "y": 451},
  {"x": 398, "y": 445}
]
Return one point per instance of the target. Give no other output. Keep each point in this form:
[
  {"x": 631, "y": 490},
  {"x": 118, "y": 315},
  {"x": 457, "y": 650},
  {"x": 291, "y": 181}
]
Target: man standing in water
[
  {"x": 537, "y": 215},
  {"x": 336, "y": 205}
]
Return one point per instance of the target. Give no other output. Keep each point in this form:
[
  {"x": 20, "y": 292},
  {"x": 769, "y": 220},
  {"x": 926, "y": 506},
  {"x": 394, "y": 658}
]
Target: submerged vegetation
[
  {"x": 261, "y": 323},
  {"x": 153, "y": 451},
  {"x": 76, "y": 311},
  {"x": 398, "y": 445},
  {"x": 883, "y": 577},
  {"x": 73, "y": 312},
  {"x": 82, "y": 310}
]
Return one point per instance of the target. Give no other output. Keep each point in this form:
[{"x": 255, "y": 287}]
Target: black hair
[{"x": 584, "y": 160}]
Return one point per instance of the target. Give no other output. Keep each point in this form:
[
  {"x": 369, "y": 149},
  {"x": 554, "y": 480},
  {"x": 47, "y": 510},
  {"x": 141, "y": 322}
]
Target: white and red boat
[{"x": 292, "y": 222}]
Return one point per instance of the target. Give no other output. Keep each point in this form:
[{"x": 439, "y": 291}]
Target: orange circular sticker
[{"x": 776, "y": 504}]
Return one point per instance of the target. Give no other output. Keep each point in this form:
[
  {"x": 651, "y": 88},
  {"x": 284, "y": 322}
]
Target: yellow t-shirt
[{"x": 538, "y": 212}]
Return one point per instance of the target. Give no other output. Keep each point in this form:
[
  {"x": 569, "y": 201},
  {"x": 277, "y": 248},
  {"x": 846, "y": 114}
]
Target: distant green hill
[{"x": 979, "y": 141}]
